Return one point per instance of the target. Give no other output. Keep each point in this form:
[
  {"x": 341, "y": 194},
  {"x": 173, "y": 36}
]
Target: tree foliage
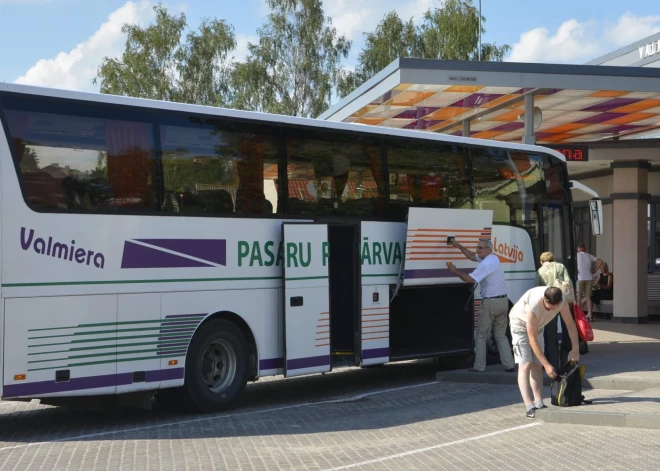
[
  {"x": 30, "y": 160},
  {"x": 450, "y": 32},
  {"x": 296, "y": 64},
  {"x": 158, "y": 64}
]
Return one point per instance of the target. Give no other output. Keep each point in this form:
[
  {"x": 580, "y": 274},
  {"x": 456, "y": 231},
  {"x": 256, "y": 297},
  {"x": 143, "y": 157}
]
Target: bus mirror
[{"x": 596, "y": 211}]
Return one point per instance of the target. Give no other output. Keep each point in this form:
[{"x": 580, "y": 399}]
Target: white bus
[{"x": 150, "y": 247}]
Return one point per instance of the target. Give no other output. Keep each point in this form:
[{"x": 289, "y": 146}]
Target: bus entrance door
[{"x": 306, "y": 298}]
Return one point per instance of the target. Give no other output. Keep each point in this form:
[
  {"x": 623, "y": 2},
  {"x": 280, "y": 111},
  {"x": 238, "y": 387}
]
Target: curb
[
  {"x": 501, "y": 377},
  {"x": 601, "y": 419}
]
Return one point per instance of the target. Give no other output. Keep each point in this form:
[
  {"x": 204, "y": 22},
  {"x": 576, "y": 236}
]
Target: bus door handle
[{"x": 296, "y": 301}]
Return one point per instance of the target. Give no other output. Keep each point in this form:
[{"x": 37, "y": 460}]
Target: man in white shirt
[
  {"x": 493, "y": 311},
  {"x": 585, "y": 276},
  {"x": 534, "y": 310}
]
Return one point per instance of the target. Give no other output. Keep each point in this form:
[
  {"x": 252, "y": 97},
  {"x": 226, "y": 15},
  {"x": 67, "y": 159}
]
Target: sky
[{"x": 61, "y": 43}]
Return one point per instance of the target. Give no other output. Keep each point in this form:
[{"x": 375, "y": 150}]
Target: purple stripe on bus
[
  {"x": 88, "y": 382},
  {"x": 376, "y": 353},
  {"x": 271, "y": 363},
  {"x": 300, "y": 363},
  {"x": 188, "y": 329},
  {"x": 172, "y": 352},
  {"x": 174, "y": 338},
  {"x": 184, "y": 315},
  {"x": 434, "y": 273},
  {"x": 172, "y": 345},
  {"x": 179, "y": 322}
]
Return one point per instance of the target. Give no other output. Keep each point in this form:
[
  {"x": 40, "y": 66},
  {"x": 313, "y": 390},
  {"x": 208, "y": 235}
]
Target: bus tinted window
[
  {"x": 508, "y": 182},
  {"x": 219, "y": 167},
  {"x": 554, "y": 176},
  {"x": 334, "y": 174},
  {"x": 83, "y": 163},
  {"x": 426, "y": 174}
]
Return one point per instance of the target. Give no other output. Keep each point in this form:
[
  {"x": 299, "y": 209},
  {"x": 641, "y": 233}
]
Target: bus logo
[
  {"x": 62, "y": 250},
  {"x": 508, "y": 253},
  {"x": 174, "y": 253}
]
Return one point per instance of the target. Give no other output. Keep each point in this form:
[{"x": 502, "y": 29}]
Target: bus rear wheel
[{"x": 216, "y": 368}]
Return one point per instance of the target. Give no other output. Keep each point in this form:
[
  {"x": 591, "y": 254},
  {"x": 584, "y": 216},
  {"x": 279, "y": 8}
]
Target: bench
[{"x": 606, "y": 308}]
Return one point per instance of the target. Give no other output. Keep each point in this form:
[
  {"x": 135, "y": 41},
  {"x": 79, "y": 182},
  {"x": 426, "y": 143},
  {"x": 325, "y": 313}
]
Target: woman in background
[
  {"x": 604, "y": 286},
  {"x": 549, "y": 274}
]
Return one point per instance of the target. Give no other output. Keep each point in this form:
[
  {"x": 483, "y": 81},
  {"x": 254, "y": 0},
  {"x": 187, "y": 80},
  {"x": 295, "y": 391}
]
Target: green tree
[
  {"x": 295, "y": 67},
  {"x": 450, "y": 32},
  {"x": 101, "y": 170},
  {"x": 158, "y": 64},
  {"x": 392, "y": 39},
  {"x": 30, "y": 160}
]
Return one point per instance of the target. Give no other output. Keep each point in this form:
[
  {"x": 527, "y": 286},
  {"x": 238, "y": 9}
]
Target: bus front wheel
[{"x": 216, "y": 367}]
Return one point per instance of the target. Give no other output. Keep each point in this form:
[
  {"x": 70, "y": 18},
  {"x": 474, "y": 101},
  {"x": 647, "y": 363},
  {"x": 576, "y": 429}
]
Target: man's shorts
[
  {"x": 522, "y": 350},
  {"x": 585, "y": 287}
]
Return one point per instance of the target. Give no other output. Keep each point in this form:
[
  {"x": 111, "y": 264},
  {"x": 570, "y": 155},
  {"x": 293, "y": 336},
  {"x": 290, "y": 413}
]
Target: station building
[{"x": 604, "y": 116}]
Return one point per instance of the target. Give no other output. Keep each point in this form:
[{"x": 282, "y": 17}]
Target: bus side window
[
  {"x": 334, "y": 174},
  {"x": 81, "y": 162},
  {"x": 426, "y": 174},
  {"x": 221, "y": 168}
]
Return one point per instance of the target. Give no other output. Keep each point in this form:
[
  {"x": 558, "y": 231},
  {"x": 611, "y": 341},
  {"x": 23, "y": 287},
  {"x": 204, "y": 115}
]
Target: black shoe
[
  {"x": 542, "y": 407},
  {"x": 531, "y": 414},
  {"x": 510, "y": 370}
]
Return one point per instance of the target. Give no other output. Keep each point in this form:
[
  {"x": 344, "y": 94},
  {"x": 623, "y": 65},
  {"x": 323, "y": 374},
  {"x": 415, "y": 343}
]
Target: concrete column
[
  {"x": 466, "y": 128},
  {"x": 630, "y": 198},
  {"x": 529, "y": 137}
]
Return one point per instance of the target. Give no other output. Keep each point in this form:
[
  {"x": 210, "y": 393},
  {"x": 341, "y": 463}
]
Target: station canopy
[{"x": 578, "y": 103}]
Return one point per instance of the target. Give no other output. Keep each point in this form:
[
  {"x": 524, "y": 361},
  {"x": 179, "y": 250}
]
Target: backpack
[{"x": 567, "y": 386}]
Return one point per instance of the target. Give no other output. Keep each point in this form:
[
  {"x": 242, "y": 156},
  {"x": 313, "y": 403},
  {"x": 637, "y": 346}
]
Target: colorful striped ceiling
[
  {"x": 568, "y": 115},
  {"x": 579, "y": 103}
]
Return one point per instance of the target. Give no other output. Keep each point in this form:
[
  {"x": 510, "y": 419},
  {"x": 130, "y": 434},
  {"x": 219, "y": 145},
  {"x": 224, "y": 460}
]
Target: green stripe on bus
[
  {"x": 307, "y": 278},
  {"x": 106, "y": 324},
  {"x": 185, "y": 336},
  {"x": 121, "y": 282},
  {"x": 161, "y": 330},
  {"x": 123, "y": 360},
  {"x": 100, "y": 354},
  {"x": 164, "y": 343}
]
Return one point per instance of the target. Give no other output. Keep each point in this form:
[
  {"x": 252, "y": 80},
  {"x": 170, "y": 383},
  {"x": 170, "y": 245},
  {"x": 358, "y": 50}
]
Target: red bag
[{"x": 583, "y": 325}]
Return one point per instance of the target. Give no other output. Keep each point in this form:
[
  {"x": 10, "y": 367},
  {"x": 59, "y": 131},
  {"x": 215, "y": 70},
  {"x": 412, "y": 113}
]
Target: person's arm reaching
[
  {"x": 463, "y": 276},
  {"x": 532, "y": 332},
  {"x": 574, "y": 354},
  {"x": 465, "y": 251}
]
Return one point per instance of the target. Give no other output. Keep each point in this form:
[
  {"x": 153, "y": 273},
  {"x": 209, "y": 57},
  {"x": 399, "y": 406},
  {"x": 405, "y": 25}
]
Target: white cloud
[
  {"x": 579, "y": 42},
  {"x": 240, "y": 53},
  {"x": 76, "y": 69},
  {"x": 353, "y": 17},
  {"x": 630, "y": 28}
]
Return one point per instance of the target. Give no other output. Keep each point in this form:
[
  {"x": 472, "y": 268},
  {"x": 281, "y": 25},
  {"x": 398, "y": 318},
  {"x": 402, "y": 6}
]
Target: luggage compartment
[{"x": 428, "y": 321}]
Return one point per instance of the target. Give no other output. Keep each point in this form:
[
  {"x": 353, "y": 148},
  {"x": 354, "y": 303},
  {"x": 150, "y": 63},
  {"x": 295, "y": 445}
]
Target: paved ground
[{"x": 395, "y": 417}]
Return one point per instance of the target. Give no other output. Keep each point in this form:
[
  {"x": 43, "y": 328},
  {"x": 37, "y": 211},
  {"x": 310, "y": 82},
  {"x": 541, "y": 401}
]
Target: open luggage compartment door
[
  {"x": 306, "y": 298},
  {"x": 427, "y": 248}
]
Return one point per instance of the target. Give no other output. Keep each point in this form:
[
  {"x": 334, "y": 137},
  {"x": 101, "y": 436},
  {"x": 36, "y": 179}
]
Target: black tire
[{"x": 217, "y": 344}]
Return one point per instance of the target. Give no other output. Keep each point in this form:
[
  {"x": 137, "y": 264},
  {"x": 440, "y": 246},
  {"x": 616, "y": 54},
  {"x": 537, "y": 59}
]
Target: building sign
[
  {"x": 651, "y": 49},
  {"x": 573, "y": 153}
]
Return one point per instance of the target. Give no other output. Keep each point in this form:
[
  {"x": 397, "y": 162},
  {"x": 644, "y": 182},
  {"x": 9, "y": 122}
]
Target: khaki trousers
[{"x": 493, "y": 313}]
